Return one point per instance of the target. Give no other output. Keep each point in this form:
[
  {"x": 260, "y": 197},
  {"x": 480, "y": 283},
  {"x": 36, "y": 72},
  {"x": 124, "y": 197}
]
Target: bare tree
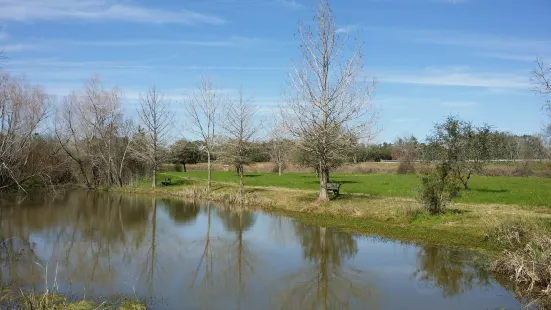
[
  {"x": 278, "y": 150},
  {"x": 203, "y": 111},
  {"x": 240, "y": 128},
  {"x": 156, "y": 116},
  {"x": 92, "y": 132},
  {"x": 3, "y": 57},
  {"x": 23, "y": 109},
  {"x": 406, "y": 149},
  {"x": 327, "y": 102},
  {"x": 541, "y": 80}
]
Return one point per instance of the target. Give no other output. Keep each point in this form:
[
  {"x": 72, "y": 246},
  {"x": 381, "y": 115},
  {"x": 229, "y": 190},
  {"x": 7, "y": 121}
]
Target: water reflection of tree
[
  {"x": 163, "y": 240},
  {"x": 84, "y": 230},
  {"x": 239, "y": 259},
  {"x": 453, "y": 270},
  {"x": 328, "y": 283},
  {"x": 182, "y": 212}
]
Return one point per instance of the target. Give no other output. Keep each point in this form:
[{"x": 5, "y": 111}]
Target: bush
[
  {"x": 178, "y": 167},
  {"x": 437, "y": 189},
  {"x": 405, "y": 167},
  {"x": 523, "y": 169}
]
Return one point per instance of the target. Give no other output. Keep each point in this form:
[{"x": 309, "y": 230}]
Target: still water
[{"x": 180, "y": 255}]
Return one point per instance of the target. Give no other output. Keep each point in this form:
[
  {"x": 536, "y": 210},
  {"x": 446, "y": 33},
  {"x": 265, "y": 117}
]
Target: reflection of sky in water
[{"x": 264, "y": 269}]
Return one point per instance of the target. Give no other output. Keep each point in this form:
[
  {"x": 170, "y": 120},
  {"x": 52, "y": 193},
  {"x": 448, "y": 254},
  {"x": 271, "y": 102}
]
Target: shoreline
[{"x": 400, "y": 219}]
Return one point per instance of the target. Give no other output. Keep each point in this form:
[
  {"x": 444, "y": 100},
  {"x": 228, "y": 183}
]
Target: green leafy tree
[
  {"x": 185, "y": 152},
  {"x": 463, "y": 147}
]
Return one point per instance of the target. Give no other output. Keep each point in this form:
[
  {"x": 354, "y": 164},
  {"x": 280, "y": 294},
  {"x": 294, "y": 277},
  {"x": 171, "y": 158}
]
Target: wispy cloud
[
  {"x": 457, "y": 77},
  {"x": 55, "y": 63},
  {"x": 96, "y": 10},
  {"x": 401, "y": 103},
  {"x": 483, "y": 45},
  {"x": 3, "y": 33},
  {"x": 518, "y": 57},
  {"x": 12, "y": 48},
  {"x": 346, "y": 29},
  {"x": 293, "y": 4},
  {"x": 481, "y": 41},
  {"x": 232, "y": 41}
]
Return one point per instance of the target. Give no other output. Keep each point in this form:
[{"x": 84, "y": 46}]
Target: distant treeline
[{"x": 85, "y": 138}]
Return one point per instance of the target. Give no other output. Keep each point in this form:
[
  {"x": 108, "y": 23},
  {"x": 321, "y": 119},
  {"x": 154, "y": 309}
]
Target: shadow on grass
[
  {"x": 333, "y": 181},
  {"x": 487, "y": 190},
  {"x": 178, "y": 182},
  {"x": 252, "y": 175},
  {"x": 456, "y": 211}
]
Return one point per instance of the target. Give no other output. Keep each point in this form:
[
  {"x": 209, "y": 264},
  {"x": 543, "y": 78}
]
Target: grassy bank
[
  {"x": 523, "y": 191},
  {"x": 51, "y": 301},
  {"x": 357, "y": 210}
]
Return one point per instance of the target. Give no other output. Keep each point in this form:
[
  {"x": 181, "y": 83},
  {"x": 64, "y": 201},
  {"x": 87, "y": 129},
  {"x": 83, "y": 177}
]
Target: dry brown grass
[{"x": 526, "y": 261}]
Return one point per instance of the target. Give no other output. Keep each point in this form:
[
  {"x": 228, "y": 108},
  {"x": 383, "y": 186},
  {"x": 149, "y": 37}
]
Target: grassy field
[{"x": 524, "y": 191}]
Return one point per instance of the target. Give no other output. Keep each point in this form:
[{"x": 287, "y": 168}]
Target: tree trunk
[
  {"x": 208, "y": 173},
  {"x": 185, "y": 170},
  {"x": 154, "y": 183},
  {"x": 466, "y": 183},
  {"x": 241, "y": 184},
  {"x": 324, "y": 178},
  {"x": 280, "y": 164}
]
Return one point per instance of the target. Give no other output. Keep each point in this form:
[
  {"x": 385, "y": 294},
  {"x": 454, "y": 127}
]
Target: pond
[{"x": 180, "y": 255}]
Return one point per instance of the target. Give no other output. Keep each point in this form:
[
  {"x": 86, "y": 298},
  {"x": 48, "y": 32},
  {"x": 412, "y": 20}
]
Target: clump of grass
[
  {"x": 526, "y": 259},
  {"x": 230, "y": 198},
  {"x": 52, "y": 301}
]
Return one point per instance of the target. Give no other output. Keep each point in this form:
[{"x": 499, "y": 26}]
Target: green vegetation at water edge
[{"x": 526, "y": 191}]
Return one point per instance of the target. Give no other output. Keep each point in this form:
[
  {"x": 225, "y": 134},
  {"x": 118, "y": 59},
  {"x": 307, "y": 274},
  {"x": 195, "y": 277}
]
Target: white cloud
[
  {"x": 33, "y": 63},
  {"x": 152, "y": 42},
  {"x": 484, "y": 45},
  {"x": 401, "y": 103},
  {"x": 37, "y": 63},
  {"x": 457, "y": 77},
  {"x": 12, "y": 48},
  {"x": 293, "y": 4},
  {"x": 232, "y": 41},
  {"x": 95, "y": 10},
  {"x": 346, "y": 29},
  {"x": 506, "y": 56},
  {"x": 3, "y": 33},
  {"x": 485, "y": 42}
]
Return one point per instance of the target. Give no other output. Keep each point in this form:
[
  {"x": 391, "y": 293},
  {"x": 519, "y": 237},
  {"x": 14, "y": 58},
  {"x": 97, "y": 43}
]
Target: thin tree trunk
[
  {"x": 185, "y": 170},
  {"x": 241, "y": 184},
  {"x": 466, "y": 183},
  {"x": 154, "y": 184},
  {"x": 280, "y": 164},
  {"x": 324, "y": 178},
  {"x": 209, "y": 172}
]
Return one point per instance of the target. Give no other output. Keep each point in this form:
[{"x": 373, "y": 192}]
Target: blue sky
[{"x": 432, "y": 58}]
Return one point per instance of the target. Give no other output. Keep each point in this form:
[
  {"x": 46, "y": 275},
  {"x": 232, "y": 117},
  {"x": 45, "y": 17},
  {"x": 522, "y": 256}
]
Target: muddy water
[{"x": 178, "y": 255}]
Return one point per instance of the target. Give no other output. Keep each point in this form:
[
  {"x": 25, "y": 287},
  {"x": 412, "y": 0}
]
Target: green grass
[{"x": 526, "y": 191}]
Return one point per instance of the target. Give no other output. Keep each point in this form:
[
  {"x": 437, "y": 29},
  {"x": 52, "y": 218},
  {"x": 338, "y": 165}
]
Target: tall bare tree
[
  {"x": 157, "y": 118},
  {"x": 541, "y": 81},
  {"x": 203, "y": 111},
  {"x": 91, "y": 130},
  {"x": 327, "y": 101},
  {"x": 23, "y": 109},
  {"x": 240, "y": 127}
]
